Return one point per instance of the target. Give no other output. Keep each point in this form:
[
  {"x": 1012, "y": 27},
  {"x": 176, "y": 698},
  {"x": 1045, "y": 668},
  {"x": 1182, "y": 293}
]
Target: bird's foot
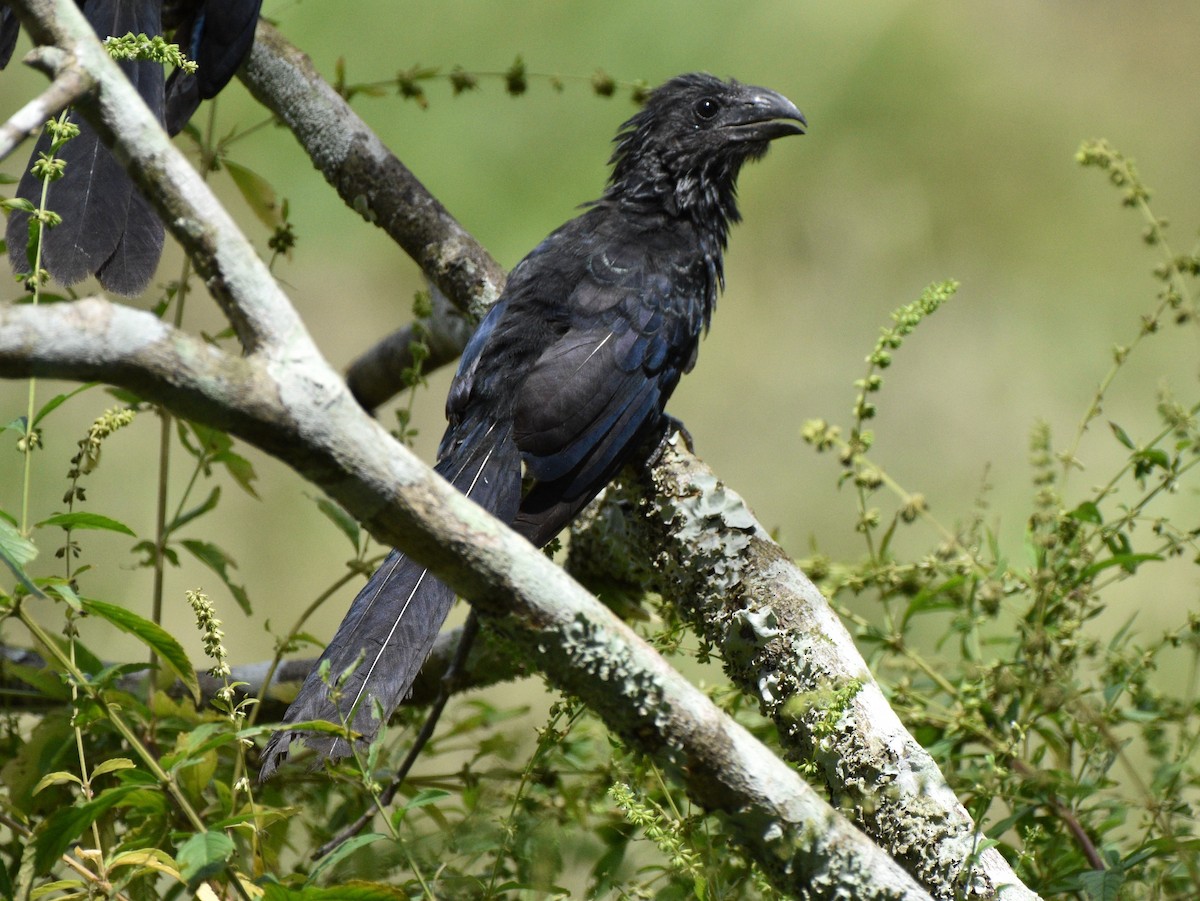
[{"x": 671, "y": 428}]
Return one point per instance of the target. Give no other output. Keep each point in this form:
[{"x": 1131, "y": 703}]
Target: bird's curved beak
[{"x": 765, "y": 115}]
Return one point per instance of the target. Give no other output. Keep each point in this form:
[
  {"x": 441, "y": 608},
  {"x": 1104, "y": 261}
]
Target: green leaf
[
  {"x": 81, "y": 520},
  {"x": 240, "y": 470},
  {"x": 153, "y": 636},
  {"x": 198, "y": 742},
  {"x": 57, "y": 401},
  {"x": 343, "y": 520},
  {"x": 220, "y": 563},
  {"x": 55, "y": 834},
  {"x": 113, "y": 765},
  {"x": 1087, "y": 512},
  {"x": 1128, "y": 562},
  {"x": 58, "y": 777},
  {"x": 343, "y": 850},
  {"x": 200, "y": 509},
  {"x": 1102, "y": 885},
  {"x": 203, "y": 855},
  {"x": 423, "y": 798},
  {"x": 258, "y": 193},
  {"x": 16, "y": 550},
  {"x": 1121, "y": 436}
]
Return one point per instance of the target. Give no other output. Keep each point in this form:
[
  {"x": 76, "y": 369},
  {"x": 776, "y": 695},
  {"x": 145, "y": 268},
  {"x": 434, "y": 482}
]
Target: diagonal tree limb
[
  {"x": 373, "y": 182},
  {"x": 803, "y": 845},
  {"x": 368, "y": 176},
  {"x": 380, "y": 188},
  {"x": 64, "y": 90},
  {"x": 680, "y": 532}
]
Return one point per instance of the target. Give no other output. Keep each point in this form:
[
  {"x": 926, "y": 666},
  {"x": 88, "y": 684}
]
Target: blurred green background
[{"x": 941, "y": 145}]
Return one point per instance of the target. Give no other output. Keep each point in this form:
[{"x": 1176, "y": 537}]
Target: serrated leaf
[
  {"x": 1087, "y": 512},
  {"x": 81, "y": 520},
  {"x": 240, "y": 470},
  {"x": 153, "y": 636},
  {"x": 203, "y": 855},
  {"x": 1102, "y": 885},
  {"x": 257, "y": 192},
  {"x": 343, "y": 520},
  {"x": 220, "y": 563}
]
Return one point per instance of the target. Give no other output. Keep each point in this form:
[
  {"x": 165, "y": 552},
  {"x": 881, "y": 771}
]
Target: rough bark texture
[{"x": 683, "y": 534}]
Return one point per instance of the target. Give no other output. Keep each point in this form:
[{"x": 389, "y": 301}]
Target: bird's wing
[{"x": 631, "y": 331}]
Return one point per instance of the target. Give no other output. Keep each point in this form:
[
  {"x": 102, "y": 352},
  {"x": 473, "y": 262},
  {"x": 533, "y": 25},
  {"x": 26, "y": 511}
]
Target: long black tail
[
  {"x": 108, "y": 229},
  {"x": 392, "y": 623}
]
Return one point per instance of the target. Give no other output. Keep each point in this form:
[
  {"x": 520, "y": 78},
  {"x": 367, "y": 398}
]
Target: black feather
[
  {"x": 569, "y": 373},
  {"x": 109, "y": 229}
]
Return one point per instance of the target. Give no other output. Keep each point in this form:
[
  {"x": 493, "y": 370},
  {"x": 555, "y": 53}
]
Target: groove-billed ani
[
  {"x": 569, "y": 373},
  {"x": 108, "y": 228}
]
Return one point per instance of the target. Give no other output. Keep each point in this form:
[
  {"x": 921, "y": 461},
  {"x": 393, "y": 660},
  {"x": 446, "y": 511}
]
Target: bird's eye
[{"x": 706, "y": 108}]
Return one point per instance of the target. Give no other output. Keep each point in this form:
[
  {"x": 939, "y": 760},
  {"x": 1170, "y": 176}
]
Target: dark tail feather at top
[
  {"x": 217, "y": 34},
  {"x": 108, "y": 229},
  {"x": 393, "y": 622}
]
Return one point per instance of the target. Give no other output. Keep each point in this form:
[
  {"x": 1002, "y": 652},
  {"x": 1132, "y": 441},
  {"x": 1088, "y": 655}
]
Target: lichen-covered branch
[
  {"x": 692, "y": 539},
  {"x": 374, "y": 183},
  {"x": 805, "y": 846},
  {"x": 366, "y": 174}
]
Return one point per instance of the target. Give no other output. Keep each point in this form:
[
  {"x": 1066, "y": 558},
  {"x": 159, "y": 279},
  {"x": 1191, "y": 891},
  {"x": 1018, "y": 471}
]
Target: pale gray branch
[
  {"x": 67, "y": 87},
  {"x": 374, "y": 183},
  {"x": 685, "y": 535}
]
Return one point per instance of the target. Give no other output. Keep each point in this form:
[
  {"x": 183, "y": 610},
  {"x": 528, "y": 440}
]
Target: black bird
[
  {"x": 569, "y": 373},
  {"x": 108, "y": 228}
]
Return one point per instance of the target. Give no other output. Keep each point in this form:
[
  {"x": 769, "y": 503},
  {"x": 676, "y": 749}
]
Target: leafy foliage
[{"x": 1052, "y": 725}]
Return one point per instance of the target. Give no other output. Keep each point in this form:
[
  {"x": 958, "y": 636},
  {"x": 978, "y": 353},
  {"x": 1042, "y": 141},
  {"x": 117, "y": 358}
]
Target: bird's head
[{"x": 687, "y": 144}]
